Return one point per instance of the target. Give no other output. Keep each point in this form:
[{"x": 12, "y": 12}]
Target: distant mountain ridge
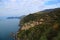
[
  {"x": 49, "y": 10},
  {"x": 20, "y": 17},
  {"x": 13, "y": 18}
]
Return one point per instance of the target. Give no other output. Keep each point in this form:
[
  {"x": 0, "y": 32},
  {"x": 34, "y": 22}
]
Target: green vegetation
[{"x": 50, "y": 30}]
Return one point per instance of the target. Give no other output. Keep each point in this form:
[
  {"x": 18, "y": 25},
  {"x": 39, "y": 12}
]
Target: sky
[{"x": 24, "y": 7}]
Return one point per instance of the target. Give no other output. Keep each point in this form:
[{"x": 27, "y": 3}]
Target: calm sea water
[{"x": 6, "y": 27}]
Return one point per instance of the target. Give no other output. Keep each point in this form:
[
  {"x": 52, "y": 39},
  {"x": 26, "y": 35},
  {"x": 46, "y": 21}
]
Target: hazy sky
[{"x": 20, "y": 7}]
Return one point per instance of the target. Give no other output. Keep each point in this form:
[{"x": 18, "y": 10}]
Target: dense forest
[{"x": 49, "y": 30}]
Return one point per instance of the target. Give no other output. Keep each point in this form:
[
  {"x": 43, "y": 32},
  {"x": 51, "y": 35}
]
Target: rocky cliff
[{"x": 44, "y": 25}]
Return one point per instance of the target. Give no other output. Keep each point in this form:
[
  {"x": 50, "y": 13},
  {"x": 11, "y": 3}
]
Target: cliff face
[
  {"x": 30, "y": 24},
  {"x": 44, "y": 25}
]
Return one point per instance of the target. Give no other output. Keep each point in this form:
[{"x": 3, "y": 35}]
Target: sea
[{"x": 8, "y": 26}]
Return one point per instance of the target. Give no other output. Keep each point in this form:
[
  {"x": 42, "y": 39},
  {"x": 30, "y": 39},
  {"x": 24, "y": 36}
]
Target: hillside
[{"x": 44, "y": 25}]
